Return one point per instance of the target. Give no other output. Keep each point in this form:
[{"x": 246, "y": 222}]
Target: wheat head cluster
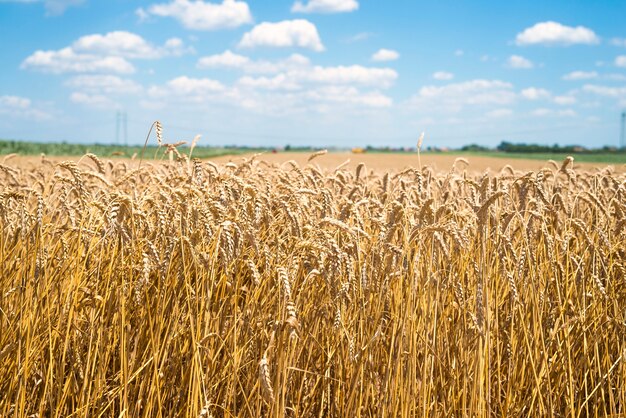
[{"x": 184, "y": 288}]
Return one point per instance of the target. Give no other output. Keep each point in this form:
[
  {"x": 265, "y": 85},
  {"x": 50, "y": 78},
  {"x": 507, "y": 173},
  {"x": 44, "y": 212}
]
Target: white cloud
[
  {"x": 619, "y": 42},
  {"x": 459, "y": 53},
  {"x": 230, "y": 60},
  {"x": 443, "y": 75},
  {"x": 349, "y": 95},
  {"x": 66, "y": 60},
  {"x": 567, "y": 112},
  {"x": 580, "y": 75},
  {"x": 620, "y": 61},
  {"x": 554, "y": 33},
  {"x": 14, "y": 102},
  {"x": 519, "y": 62},
  {"x": 325, "y": 6},
  {"x": 385, "y": 55},
  {"x": 542, "y": 111},
  {"x": 53, "y": 7},
  {"x": 98, "y": 53},
  {"x": 533, "y": 93},
  {"x": 186, "y": 85},
  {"x": 188, "y": 89},
  {"x": 278, "y": 82},
  {"x": 340, "y": 75},
  {"x": 226, "y": 59},
  {"x": 99, "y": 84},
  {"x": 201, "y": 15},
  {"x": 617, "y": 92},
  {"x": 142, "y": 14},
  {"x": 457, "y": 96},
  {"x": 126, "y": 44},
  {"x": 21, "y": 107},
  {"x": 288, "y": 33},
  {"x": 353, "y": 74},
  {"x": 97, "y": 101},
  {"x": 499, "y": 113},
  {"x": 58, "y": 7},
  {"x": 269, "y": 95},
  {"x": 292, "y": 62},
  {"x": 564, "y": 100},
  {"x": 294, "y": 71}
]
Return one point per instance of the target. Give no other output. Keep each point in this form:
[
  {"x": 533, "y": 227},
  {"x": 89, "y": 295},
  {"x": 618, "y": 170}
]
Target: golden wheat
[{"x": 187, "y": 288}]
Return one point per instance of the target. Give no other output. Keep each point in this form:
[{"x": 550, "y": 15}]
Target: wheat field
[{"x": 185, "y": 288}]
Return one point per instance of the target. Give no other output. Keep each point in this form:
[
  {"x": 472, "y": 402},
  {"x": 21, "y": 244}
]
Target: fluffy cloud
[
  {"x": 269, "y": 95},
  {"x": 353, "y": 74},
  {"x": 325, "y": 6},
  {"x": 188, "y": 89},
  {"x": 443, "y": 75},
  {"x": 317, "y": 75},
  {"x": 227, "y": 59},
  {"x": 278, "y": 82},
  {"x": 230, "y": 60},
  {"x": 58, "y": 7},
  {"x": 128, "y": 45},
  {"x": 186, "y": 85},
  {"x": 620, "y": 61},
  {"x": 53, "y": 7},
  {"x": 21, "y": 107},
  {"x": 97, "y": 101},
  {"x": 617, "y": 92},
  {"x": 108, "y": 84},
  {"x": 66, "y": 60},
  {"x": 564, "y": 100},
  {"x": 499, "y": 113},
  {"x": 294, "y": 86},
  {"x": 297, "y": 69},
  {"x": 385, "y": 55},
  {"x": 580, "y": 75},
  {"x": 349, "y": 95},
  {"x": 542, "y": 111},
  {"x": 533, "y": 93},
  {"x": 288, "y": 33},
  {"x": 457, "y": 96},
  {"x": 201, "y": 15},
  {"x": 14, "y": 102},
  {"x": 98, "y": 53},
  {"x": 519, "y": 62},
  {"x": 554, "y": 33}
]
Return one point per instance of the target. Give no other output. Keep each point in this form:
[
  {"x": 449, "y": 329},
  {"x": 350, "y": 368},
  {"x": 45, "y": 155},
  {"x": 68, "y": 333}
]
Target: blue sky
[{"x": 314, "y": 72}]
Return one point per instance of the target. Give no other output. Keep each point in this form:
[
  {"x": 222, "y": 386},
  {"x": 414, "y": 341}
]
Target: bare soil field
[
  {"x": 398, "y": 162},
  {"x": 374, "y": 161}
]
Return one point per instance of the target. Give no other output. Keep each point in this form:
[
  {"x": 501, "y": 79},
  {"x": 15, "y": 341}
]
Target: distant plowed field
[
  {"x": 294, "y": 285},
  {"x": 374, "y": 161}
]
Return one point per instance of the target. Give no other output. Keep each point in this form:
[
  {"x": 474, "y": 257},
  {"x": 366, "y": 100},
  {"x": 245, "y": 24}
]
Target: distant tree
[{"x": 475, "y": 148}]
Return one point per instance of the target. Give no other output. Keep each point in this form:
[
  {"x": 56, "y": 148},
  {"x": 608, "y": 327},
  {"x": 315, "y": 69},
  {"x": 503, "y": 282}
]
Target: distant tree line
[
  {"x": 106, "y": 150},
  {"x": 511, "y": 147}
]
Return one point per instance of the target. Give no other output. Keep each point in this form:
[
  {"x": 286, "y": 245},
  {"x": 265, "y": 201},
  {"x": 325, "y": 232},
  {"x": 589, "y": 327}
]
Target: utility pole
[
  {"x": 118, "y": 117},
  {"x": 125, "y": 122},
  {"x": 622, "y": 138},
  {"x": 121, "y": 128}
]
